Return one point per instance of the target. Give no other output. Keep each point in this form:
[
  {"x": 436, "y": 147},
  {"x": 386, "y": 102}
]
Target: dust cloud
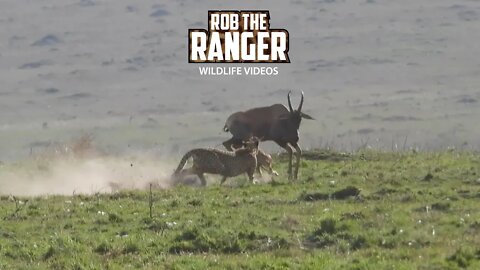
[
  {"x": 83, "y": 176},
  {"x": 77, "y": 168}
]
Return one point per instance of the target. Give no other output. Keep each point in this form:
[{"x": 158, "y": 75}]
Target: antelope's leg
[
  {"x": 298, "y": 154},
  {"x": 289, "y": 149},
  {"x": 223, "y": 180}
]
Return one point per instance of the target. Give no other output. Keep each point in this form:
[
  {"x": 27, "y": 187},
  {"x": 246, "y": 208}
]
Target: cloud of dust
[
  {"x": 265, "y": 178},
  {"x": 72, "y": 175}
]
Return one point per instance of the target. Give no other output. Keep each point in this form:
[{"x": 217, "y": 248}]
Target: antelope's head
[{"x": 296, "y": 116}]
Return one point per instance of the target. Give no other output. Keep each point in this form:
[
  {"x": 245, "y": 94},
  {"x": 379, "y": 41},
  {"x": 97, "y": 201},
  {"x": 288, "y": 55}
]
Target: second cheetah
[
  {"x": 264, "y": 161},
  {"x": 224, "y": 163}
]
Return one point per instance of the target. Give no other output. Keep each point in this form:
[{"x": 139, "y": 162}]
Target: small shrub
[
  {"x": 49, "y": 253},
  {"x": 327, "y": 226},
  {"x": 195, "y": 202},
  {"x": 441, "y": 206},
  {"x": 130, "y": 247},
  {"x": 157, "y": 226},
  {"x": 289, "y": 223},
  {"x": 325, "y": 235},
  {"x": 230, "y": 245},
  {"x": 428, "y": 177},
  {"x": 462, "y": 257},
  {"x": 192, "y": 240},
  {"x": 174, "y": 203},
  {"x": 103, "y": 248},
  {"x": 114, "y": 218},
  {"x": 332, "y": 233},
  {"x": 359, "y": 242},
  {"x": 188, "y": 235},
  {"x": 353, "y": 216},
  {"x": 341, "y": 194}
]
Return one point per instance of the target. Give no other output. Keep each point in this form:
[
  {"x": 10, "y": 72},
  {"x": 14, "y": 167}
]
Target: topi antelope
[{"x": 274, "y": 123}]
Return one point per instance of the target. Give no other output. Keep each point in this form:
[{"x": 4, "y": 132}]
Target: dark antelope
[{"x": 273, "y": 123}]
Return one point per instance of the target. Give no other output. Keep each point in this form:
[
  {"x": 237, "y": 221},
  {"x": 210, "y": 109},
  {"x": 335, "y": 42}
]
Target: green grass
[{"x": 414, "y": 211}]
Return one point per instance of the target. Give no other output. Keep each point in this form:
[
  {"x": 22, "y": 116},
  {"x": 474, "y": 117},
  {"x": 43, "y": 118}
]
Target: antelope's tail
[{"x": 228, "y": 123}]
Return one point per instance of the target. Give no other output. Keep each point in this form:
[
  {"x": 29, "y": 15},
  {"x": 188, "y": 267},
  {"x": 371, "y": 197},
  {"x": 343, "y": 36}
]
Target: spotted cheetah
[
  {"x": 224, "y": 163},
  {"x": 264, "y": 161}
]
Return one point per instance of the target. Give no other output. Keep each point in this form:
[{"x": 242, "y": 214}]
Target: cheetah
[
  {"x": 224, "y": 163},
  {"x": 264, "y": 161}
]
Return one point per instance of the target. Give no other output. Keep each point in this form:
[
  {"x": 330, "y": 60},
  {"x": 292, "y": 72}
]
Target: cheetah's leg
[
  {"x": 202, "y": 179},
  {"x": 183, "y": 173},
  {"x": 250, "y": 176},
  {"x": 259, "y": 170},
  {"x": 272, "y": 171}
]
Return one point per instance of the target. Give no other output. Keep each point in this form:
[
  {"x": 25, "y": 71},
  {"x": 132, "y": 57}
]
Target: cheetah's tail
[{"x": 183, "y": 162}]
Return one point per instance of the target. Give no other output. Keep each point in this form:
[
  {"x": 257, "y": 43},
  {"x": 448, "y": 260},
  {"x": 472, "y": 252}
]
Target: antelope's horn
[
  {"x": 301, "y": 104},
  {"x": 289, "y": 102}
]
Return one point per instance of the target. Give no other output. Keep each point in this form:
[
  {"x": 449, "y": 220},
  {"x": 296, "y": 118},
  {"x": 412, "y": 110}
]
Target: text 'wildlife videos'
[{"x": 250, "y": 71}]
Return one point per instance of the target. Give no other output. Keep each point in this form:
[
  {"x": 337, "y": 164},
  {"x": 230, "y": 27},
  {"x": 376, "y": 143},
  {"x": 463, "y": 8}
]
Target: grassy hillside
[{"x": 366, "y": 210}]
